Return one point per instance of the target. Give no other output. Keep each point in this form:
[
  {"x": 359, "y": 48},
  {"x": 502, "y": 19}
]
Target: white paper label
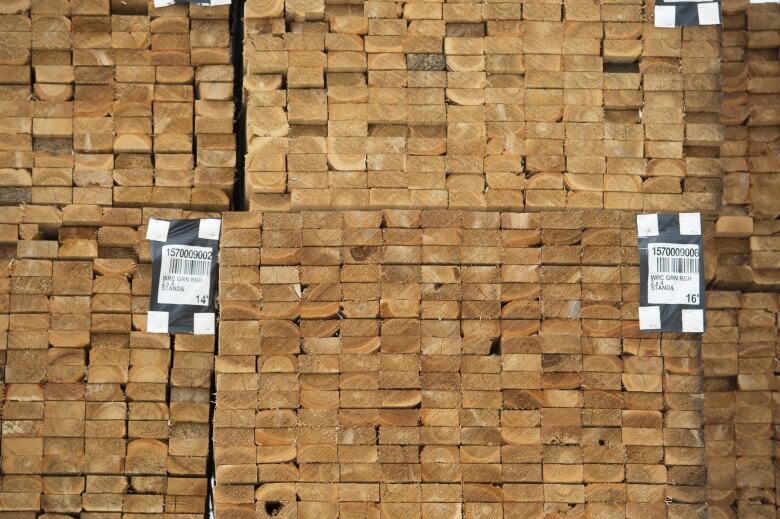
[
  {"x": 647, "y": 225},
  {"x": 649, "y": 317},
  {"x": 665, "y": 15},
  {"x": 185, "y": 275},
  {"x": 693, "y": 321},
  {"x": 157, "y": 322},
  {"x": 690, "y": 224},
  {"x": 209, "y": 228},
  {"x": 203, "y": 324},
  {"x": 157, "y": 230},
  {"x": 673, "y": 274},
  {"x": 709, "y": 13}
]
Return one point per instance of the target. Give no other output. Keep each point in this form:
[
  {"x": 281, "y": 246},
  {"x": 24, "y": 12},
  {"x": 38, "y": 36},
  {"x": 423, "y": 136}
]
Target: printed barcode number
[
  {"x": 678, "y": 265},
  {"x": 189, "y": 267}
]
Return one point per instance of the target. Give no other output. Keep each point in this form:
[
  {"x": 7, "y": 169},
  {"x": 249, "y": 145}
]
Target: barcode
[
  {"x": 189, "y": 267},
  {"x": 678, "y": 265}
]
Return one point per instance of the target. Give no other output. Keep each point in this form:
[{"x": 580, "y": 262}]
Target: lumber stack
[
  {"x": 533, "y": 106},
  {"x": 739, "y": 352},
  {"x": 116, "y": 104},
  {"x": 16, "y": 158},
  {"x": 747, "y": 229},
  {"x": 7, "y": 254},
  {"x": 447, "y": 364},
  {"x": 215, "y": 141},
  {"x": 99, "y": 418}
]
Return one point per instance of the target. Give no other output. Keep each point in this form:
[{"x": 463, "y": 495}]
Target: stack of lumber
[
  {"x": 535, "y": 106},
  {"x": 116, "y": 104},
  {"x": 98, "y": 418},
  {"x": 410, "y": 363},
  {"x": 16, "y": 158},
  {"x": 739, "y": 352},
  {"x": 7, "y": 254},
  {"x": 748, "y": 232}
]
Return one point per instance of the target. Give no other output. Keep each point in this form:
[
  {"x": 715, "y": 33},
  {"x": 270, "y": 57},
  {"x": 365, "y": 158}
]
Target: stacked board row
[
  {"x": 99, "y": 419},
  {"x": 741, "y": 414},
  {"x": 116, "y": 104},
  {"x": 447, "y": 364},
  {"x": 748, "y": 232},
  {"x": 502, "y": 106}
]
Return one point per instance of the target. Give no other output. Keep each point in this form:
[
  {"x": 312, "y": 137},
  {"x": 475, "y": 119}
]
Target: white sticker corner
[
  {"x": 709, "y": 13},
  {"x": 690, "y": 224},
  {"x": 209, "y": 228},
  {"x": 665, "y": 16},
  {"x": 693, "y": 320},
  {"x": 156, "y": 322},
  {"x": 157, "y": 230},
  {"x": 203, "y": 324},
  {"x": 649, "y": 317},
  {"x": 646, "y": 225}
]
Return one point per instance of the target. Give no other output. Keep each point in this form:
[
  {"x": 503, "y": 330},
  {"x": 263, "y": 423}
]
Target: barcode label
[
  {"x": 190, "y": 267},
  {"x": 185, "y": 275},
  {"x": 677, "y": 265},
  {"x": 671, "y": 266},
  {"x": 673, "y": 273}
]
